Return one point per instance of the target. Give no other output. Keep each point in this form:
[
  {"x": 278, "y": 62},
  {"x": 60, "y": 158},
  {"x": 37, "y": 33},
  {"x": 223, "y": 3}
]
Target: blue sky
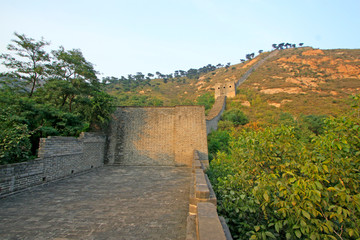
[{"x": 124, "y": 37}]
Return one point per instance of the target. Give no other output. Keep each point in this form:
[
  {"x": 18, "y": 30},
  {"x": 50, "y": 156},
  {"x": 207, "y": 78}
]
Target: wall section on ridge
[
  {"x": 215, "y": 114},
  {"x": 163, "y": 136}
]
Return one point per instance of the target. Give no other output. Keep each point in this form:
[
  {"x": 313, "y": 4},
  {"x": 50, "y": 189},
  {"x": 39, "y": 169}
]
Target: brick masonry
[
  {"x": 58, "y": 157},
  {"x": 157, "y": 136}
]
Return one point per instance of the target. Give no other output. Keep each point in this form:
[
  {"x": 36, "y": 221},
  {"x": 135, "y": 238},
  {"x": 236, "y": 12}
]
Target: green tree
[
  {"x": 73, "y": 75},
  {"x": 29, "y": 65}
]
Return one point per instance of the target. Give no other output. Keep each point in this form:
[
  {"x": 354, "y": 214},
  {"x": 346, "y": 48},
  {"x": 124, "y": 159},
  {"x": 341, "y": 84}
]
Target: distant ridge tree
[
  {"x": 227, "y": 65},
  {"x": 158, "y": 74},
  {"x": 261, "y": 51},
  {"x": 301, "y": 44},
  {"x": 284, "y": 45}
]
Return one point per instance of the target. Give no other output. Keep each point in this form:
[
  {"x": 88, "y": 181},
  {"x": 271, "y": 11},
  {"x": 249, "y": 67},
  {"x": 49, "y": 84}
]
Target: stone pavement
[{"x": 113, "y": 202}]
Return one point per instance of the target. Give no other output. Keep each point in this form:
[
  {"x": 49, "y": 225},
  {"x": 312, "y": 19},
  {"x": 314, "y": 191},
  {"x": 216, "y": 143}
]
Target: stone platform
[{"x": 113, "y": 202}]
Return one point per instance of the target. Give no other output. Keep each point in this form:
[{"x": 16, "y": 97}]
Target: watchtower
[{"x": 227, "y": 89}]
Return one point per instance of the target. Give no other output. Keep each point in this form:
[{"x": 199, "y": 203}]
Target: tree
[
  {"x": 261, "y": 51},
  {"x": 275, "y": 46},
  {"x": 301, "y": 44},
  {"x": 30, "y": 65},
  {"x": 76, "y": 75},
  {"x": 281, "y": 45},
  {"x": 250, "y": 56},
  {"x": 158, "y": 74}
]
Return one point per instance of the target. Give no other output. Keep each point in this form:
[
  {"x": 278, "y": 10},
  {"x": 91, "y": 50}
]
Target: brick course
[
  {"x": 58, "y": 157},
  {"x": 157, "y": 136}
]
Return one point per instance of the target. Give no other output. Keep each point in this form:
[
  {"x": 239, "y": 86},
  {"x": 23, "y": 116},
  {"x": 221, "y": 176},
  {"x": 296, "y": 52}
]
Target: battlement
[{"x": 227, "y": 89}]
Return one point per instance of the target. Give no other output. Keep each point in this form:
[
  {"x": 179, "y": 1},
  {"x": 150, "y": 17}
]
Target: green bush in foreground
[{"x": 272, "y": 185}]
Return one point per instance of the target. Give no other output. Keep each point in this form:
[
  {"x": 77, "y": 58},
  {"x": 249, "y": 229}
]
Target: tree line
[
  {"x": 133, "y": 81},
  {"x": 285, "y": 45}
]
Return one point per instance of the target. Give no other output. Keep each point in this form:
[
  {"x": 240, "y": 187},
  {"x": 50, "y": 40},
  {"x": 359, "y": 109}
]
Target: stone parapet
[
  {"x": 215, "y": 114},
  {"x": 202, "y": 206},
  {"x": 59, "y": 157}
]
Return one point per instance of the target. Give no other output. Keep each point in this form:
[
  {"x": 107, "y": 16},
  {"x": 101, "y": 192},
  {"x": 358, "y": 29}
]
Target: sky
[{"x": 122, "y": 37}]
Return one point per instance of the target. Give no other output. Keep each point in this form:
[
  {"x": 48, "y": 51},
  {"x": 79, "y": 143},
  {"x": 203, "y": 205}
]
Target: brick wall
[
  {"x": 58, "y": 157},
  {"x": 190, "y": 134},
  {"x": 156, "y": 135}
]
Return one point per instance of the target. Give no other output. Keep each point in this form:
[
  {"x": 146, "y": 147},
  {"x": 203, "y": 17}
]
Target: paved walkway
[{"x": 112, "y": 202}]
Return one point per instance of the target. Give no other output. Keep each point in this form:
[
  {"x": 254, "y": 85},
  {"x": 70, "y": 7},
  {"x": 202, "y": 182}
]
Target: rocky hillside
[
  {"x": 297, "y": 80},
  {"x": 302, "y": 81}
]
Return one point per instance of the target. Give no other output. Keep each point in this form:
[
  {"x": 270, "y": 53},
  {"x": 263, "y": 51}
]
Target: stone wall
[
  {"x": 58, "y": 157},
  {"x": 164, "y": 136},
  {"x": 215, "y": 114}
]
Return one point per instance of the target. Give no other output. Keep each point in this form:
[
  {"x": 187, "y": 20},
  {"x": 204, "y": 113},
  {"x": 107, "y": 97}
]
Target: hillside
[
  {"x": 182, "y": 89},
  {"x": 298, "y": 81}
]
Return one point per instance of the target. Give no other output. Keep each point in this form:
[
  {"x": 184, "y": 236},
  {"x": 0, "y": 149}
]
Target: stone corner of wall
[{"x": 92, "y": 137}]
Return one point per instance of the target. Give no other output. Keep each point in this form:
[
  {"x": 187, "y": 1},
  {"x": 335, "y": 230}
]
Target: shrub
[
  {"x": 15, "y": 144},
  {"x": 217, "y": 141},
  {"x": 273, "y": 185},
  {"x": 236, "y": 116},
  {"x": 225, "y": 125}
]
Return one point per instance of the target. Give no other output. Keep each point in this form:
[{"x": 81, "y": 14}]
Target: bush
[
  {"x": 217, "y": 141},
  {"x": 225, "y": 125},
  {"x": 15, "y": 144},
  {"x": 207, "y": 100},
  {"x": 236, "y": 116},
  {"x": 273, "y": 185}
]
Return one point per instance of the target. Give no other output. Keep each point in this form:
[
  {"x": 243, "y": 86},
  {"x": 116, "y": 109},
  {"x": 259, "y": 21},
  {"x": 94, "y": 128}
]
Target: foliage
[
  {"x": 68, "y": 100},
  {"x": 218, "y": 141},
  {"x": 273, "y": 185},
  {"x": 236, "y": 116},
  {"x": 99, "y": 110},
  {"x": 315, "y": 123},
  {"x": 29, "y": 62},
  {"x": 207, "y": 100},
  {"x": 135, "y": 100},
  {"x": 225, "y": 125},
  {"x": 14, "y": 138}
]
